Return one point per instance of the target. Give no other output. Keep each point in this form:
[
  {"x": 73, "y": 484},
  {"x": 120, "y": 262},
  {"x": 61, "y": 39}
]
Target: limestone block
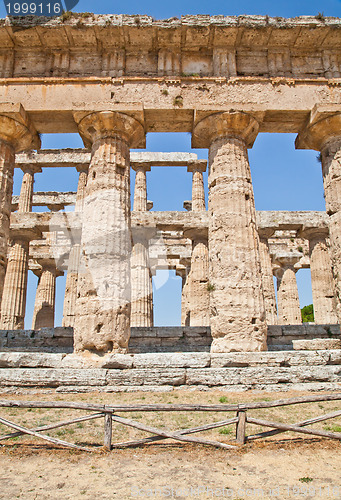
[
  {"x": 143, "y": 376},
  {"x": 50, "y": 377},
  {"x": 117, "y": 360},
  {"x": 30, "y": 360},
  {"x": 172, "y": 360},
  {"x": 253, "y": 376},
  {"x": 283, "y": 358},
  {"x": 316, "y": 344}
]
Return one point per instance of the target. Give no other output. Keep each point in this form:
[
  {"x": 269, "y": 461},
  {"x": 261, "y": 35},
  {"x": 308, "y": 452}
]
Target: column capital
[
  {"x": 266, "y": 232},
  {"x": 197, "y": 166},
  {"x": 196, "y": 234},
  {"x": 321, "y": 128},
  {"x": 102, "y": 124},
  {"x": 82, "y": 168},
  {"x": 281, "y": 262},
  {"x": 311, "y": 233},
  {"x": 143, "y": 166},
  {"x": 16, "y": 128},
  {"x": 31, "y": 168},
  {"x": 235, "y": 124}
]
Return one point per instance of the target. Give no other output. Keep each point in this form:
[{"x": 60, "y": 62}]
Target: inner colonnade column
[
  {"x": 13, "y": 304},
  {"x": 141, "y": 277},
  {"x": 323, "y": 133},
  {"x": 322, "y": 282},
  {"x": 267, "y": 276},
  {"x": 236, "y": 298},
  {"x": 44, "y": 306},
  {"x": 74, "y": 256},
  {"x": 103, "y": 299},
  {"x": 289, "y": 311},
  {"x": 16, "y": 134}
]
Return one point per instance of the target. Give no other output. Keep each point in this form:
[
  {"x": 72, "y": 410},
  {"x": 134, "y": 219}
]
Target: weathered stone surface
[
  {"x": 141, "y": 376},
  {"x": 170, "y": 360},
  {"x": 315, "y": 344},
  {"x": 30, "y": 360},
  {"x": 44, "y": 377},
  {"x": 236, "y": 298},
  {"x": 253, "y": 376}
]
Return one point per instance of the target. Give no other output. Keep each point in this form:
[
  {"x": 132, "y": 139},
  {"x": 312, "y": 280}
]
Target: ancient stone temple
[{"x": 113, "y": 79}]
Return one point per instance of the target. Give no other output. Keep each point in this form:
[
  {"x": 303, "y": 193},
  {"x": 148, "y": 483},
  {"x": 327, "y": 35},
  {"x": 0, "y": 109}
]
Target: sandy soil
[{"x": 289, "y": 467}]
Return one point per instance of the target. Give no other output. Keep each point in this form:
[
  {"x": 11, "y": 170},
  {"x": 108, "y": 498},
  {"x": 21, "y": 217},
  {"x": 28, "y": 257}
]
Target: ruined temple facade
[{"x": 113, "y": 79}]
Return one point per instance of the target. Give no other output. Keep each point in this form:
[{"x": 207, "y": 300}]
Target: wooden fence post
[
  {"x": 240, "y": 427},
  {"x": 107, "y": 431}
]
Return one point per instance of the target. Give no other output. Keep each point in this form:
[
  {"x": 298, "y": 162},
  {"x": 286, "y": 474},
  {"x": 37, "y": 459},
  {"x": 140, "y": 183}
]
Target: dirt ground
[{"x": 283, "y": 467}]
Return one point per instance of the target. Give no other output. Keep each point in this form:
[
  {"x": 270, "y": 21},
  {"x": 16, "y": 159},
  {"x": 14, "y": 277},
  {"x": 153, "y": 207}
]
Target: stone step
[{"x": 264, "y": 370}]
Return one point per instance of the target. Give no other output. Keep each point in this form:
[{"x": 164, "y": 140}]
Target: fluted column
[
  {"x": 16, "y": 134},
  {"x": 199, "y": 294},
  {"x": 74, "y": 256},
  {"x": 141, "y": 278},
  {"x": 267, "y": 277},
  {"x": 289, "y": 311},
  {"x": 103, "y": 304},
  {"x": 323, "y": 133},
  {"x": 236, "y": 297},
  {"x": 322, "y": 282},
  {"x": 185, "y": 294},
  {"x": 82, "y": 180},
  {"x": 198, "y": 193},
  {"x": 141, "y": 281},
  {"x": 13, "y": 304},
  {"x": 140, "y": 191},
  {"x": 70, "y": 296},
  {"x": 26, "y": 192},
  {"x": 44, "y": 306}
]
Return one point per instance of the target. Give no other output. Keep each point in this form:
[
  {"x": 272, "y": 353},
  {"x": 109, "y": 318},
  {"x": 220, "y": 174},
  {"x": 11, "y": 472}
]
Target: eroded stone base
[{"x": 278, "y": 371}]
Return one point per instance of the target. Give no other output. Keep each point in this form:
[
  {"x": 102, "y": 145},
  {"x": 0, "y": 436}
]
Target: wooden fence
[{"x": 109, "y": 413}]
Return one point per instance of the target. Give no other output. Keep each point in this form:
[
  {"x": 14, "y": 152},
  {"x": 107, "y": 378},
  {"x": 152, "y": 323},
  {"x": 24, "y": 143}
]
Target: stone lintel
[{"x": 324, "y": 124}]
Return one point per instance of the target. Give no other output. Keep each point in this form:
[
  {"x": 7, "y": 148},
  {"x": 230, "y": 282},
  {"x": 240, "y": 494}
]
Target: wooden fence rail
[{"x": 109, "y": 413}]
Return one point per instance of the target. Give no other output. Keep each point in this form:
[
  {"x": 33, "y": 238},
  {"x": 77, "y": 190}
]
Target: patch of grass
[
  {"x": 333, "y": 427},
  {"x": 164, "y": 92},
  {"x": 225, "y": 430},
  {"x": 178, "y": 101},
  {"x": 210, "y": 287},
  {"x": 223, "y": 399},
  {"x": 305, "y": 479},
  {"x": 66, "y": 16}
]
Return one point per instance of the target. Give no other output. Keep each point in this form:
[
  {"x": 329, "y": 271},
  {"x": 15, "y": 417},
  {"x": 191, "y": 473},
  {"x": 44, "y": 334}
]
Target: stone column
[
  {"x": 141, "y": 280},
  {"x": 103, "y": 304},
  {"x": 267, "y": 277},
  {"x": 140, "y": 191},
  {"x": 185, "y": 294},
  {"x": 71, "y": 284},
  {"x": 322, "y": 282},
  {"x": 82, "y": 180},
  {"x": 74, "y": 256},
  {"x": 13, "y": 305},
  {"x": 323, "y": 133},
  {"x": 199, "y": 297},
  {"x": 16, "y": 134},
  {"x": 26, "y": 192},
  {"x": 198, "y": 192},
  {"x": 236, "y": 297},
  {"x": 44, "y": 306},
  {"x": 289, "y": 311}
]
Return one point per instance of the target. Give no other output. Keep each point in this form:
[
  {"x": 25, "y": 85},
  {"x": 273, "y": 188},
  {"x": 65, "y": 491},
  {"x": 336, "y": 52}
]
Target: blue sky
[{"x": 283, "y": 178}]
